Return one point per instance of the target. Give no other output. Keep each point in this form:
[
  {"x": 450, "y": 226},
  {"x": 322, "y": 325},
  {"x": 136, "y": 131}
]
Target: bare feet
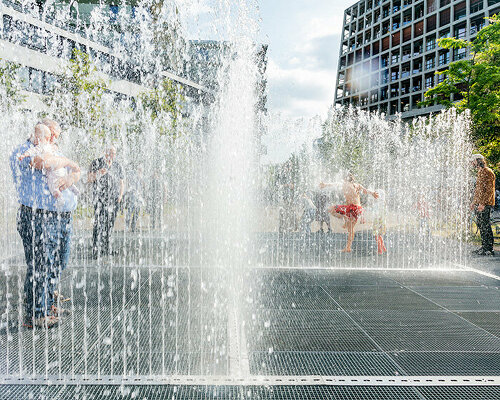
[{"x": 345, "y": 250}]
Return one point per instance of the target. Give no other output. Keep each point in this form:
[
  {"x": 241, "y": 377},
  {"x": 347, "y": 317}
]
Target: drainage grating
[
  {"x": 436, "y": 331},
  {"x": 206, "y": 392},
  {"x": 449, "y": 363},
  {"x": 322, "y": 363}
]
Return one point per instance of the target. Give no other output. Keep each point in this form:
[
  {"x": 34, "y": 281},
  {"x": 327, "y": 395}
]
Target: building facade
[
  {"x": 43, "y": 46},
  {"x": 389, "y": 52}
]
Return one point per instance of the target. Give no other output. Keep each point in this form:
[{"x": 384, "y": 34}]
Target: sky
[{"x": 304, "y": 41}]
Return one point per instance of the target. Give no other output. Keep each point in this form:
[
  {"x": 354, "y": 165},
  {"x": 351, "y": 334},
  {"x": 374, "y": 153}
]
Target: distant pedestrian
[
  {"x": 45, "y": 226},
  {"x": 379, "y": 226},
  {"x": 308, "y": 214},
  {"x": 133, "y": 198},
  {"x": 482, "y": 203},
  {"x": 321, "y": 200},
  {"x": 106, "y": 176},
  {"x": 156, "y": 199}
]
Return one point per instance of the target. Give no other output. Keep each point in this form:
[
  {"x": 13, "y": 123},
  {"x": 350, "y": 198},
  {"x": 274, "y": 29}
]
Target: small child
[
  {"x": 46, "y": 149},
  {"x": 423, "y": 211},
  {"x": 379, "y": 218}
]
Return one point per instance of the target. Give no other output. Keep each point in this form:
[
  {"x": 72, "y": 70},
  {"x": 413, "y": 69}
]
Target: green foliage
[
  {"x": 79, "y": 99},
  {"x": 477, "y": 82},
  {"x": 10, "y": 84},
  {"x": 163, "y": 105}
]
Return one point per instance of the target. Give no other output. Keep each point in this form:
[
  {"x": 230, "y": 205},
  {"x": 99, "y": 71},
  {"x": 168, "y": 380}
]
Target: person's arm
[
  {"x": 366, "y": 191},
  {"x": 323, "y": 185},
  {"x": 52, "y": 163}
]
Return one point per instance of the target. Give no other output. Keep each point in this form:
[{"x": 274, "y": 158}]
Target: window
[
  {"x": 394, "y": 75},
  {"x": 459, "y": 54},
  {"x": 444, "y": 57},
  {"x": 431, "y": 5},
  {"x": 475, "y": 6},
  {"x": 24, "y": 76},
  {"x": 428, "y": 82},
  {"x": 36, "y": 80},
  {"x": 460, "y": 11},
  {"x": 430, "y": 43},
  {"x": 444, "y": 17},
  {"x": 460, "y": 32},
  {"x": 431, "y": 23},
  {"x": 429, "y": 63},
  {"x": 476, "y": 26}
]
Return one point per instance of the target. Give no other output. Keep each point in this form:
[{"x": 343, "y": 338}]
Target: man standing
[
  {"x": 106, "y": 176},
  {"x": 45, "y": 228},
  {"x": 482, "y": 203}
]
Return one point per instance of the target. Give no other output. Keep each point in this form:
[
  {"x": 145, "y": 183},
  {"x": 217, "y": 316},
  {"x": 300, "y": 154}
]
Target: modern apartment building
[
  {"x": 389, "y": 52},
  {"x": 43, "y": 46}
]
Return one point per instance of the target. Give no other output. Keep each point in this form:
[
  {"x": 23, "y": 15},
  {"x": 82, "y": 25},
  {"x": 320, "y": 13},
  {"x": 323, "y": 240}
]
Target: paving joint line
[
  {"x": 446, "y": 309},
  {"x": 401, "y": 369}
]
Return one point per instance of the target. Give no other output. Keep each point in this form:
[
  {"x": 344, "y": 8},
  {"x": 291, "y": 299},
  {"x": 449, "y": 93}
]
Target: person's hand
[
  {"x": 322, "y": 185},
  {"x": 375, "y": 194},
  {"x": 64, "y": 182},
  {"x": 103, "y": 171},
  {"x": 480, "y": 207}
]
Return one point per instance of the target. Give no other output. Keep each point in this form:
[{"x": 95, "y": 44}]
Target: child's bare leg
[{"x": 350, "y": 236}]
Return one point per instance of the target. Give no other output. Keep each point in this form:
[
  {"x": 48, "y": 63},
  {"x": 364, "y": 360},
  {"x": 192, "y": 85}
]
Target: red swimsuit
[{"x": 350, "y": 211}]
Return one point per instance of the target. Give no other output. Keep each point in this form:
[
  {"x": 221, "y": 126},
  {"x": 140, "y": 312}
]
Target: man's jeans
[
  {"x": 104, "y": 220},
  {"x": 46, "y": 240},
  {"x": 484, "y": 225}
]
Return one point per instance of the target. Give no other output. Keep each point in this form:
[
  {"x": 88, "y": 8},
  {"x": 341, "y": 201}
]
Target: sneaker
[
  {"x": 483, "y": 252},
  {"x": 477, "y": 251}
]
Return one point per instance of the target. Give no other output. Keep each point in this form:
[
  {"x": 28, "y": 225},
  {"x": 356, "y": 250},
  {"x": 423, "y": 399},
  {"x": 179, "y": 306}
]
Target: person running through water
[
  {"x": 352, "y": 210},
  {"x": 379, "y": 224}
]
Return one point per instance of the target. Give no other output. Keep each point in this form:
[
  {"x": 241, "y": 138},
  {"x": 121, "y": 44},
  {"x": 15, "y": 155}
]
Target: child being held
[
  {"x": 379, "y": 224},
  {"x": 46, "y": 150}
]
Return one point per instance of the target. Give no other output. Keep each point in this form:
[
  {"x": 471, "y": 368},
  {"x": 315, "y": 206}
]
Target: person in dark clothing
[
  {"x": 321, "y": 200},
  {"x": 483, "y": 202},
  {"x": 106, "y": 176}
]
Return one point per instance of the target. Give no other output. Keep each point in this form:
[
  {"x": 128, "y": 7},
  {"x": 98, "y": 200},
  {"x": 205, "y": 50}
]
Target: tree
[
  {"x": 163, "y": 105},
  {"x": 79, "y": 98},
  {"x": 10, "y": 84},
  {"x": 476, "y": 83}
]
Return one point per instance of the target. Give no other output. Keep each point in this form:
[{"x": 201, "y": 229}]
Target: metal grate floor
[
  {"x": 13, "y": 392},
  {"x": 146, "y": 321}
]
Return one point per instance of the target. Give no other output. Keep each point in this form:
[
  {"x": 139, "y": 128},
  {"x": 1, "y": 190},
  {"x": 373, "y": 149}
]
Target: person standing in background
[
  {"x": 106, "y": 176},
  {"x": 482, "y": 203}
]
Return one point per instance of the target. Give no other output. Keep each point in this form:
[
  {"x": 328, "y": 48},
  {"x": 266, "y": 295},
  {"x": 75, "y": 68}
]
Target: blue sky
[{"x": 303, "y": 38}]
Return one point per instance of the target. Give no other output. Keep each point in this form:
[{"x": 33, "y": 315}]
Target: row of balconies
[{"x": 420, "y": 28}]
